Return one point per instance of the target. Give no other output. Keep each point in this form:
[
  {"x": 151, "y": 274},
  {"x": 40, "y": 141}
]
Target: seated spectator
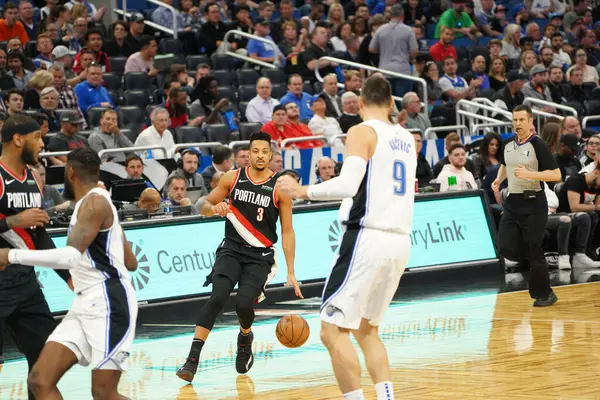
[
  {"x": 511, "y": 49},
  {"x": 49, "y": 104},
  {"x": 202, "y": 70},
  {"x": 149, "y": 200},
  {"x": 454, "y": 86},
  {"x": 44, "y": 48},
  {"x": 176, "y": 105},
  {"x": 575, "y": 90},
  {"x": 207, "y": 103},
  {"x": 134, "y": 167},
  {"x": 17, "y": 72},
  {"x": 108, "y": 136},
  {"x": 325, "y": 169},
  {"x": 536, "y": 87},
  {"x": 352, "y": 81},
  {"x": 291, "y": 45},
  {"x": 297, "y": 96},
  {"x": 528, "y": 60},
  {"x": 431, "y": 74},
  {"x": 96, "y": 14},
  {"x": 15, "y": 44},
  {"x": 491, "y": 147},
  {"x": 222, "y": 161},
  {"x": 176, "y": 193},
  {"x": 188, "y": 170},
  {"x": 157, "y": 134},
  {"x": 451, "y": 139},
  {"x": 77, "y": 40},
  {"x": 344, "y": 30},
  {"x": 10, "y": 27},
  {"x": 497, "y": 73},
  {"x": 526, "y": 44},
  {"x": 42, "y": 120},
  {"x": 444, "y": 48},
  {"x": 260, "y": 50},
  {"x": 40, "y": 80},
  {"x": 589, "y": 72},
  {"x": 456, "y": 168},
  {"x": 118, "y": 46},
  {"x": 332, "y": 100},
  {"x": 91, "y": 93},
  {"x": 68, "y": 138},
  {"x": 164, "y": 17},
  {"x": 260, "y": 108},
  {"x": 495, "y": 48},
  {"x": 589, "y": 43},
  {"x": 316, "y": 50},
  {"x": 14, "y": 100},
  {"x": 547, "y": 57},
  {"x": 241, "y": 156},
  {"x": 179, "y": 73},
  {"x": 478, "y": 67},
  {"x": 486, "y": 18},
  {"x": 560, "y": 58},
  {"x": 571, "y": 125},
  {"x": 321, "y": 124},
  {"x": 591, "y": 150},
  {"x": 51, "y": 195},
  {"x": 281, "y": 127},
  {"x": 511, "y": 95},
  {"x": 424, "y": 173},
  {"x": 567, "y": 162},
  {"x": 63, "y": 55},
  {"x": 136, "y": 30},
  {"x": 458, "y": 20},
  {"x": 93, "y": 42},
  {"x": 352, "y": 53},
  {"x": 555, "y": 84},
  {"x": 66, "y": 95},
  {"x": 86, "y": 58},
  {"x": 143, "y": 60},
  {"x": 351, "y": 110},
  {"x": 242, "y": 22},
  {"x": 411, "y": 116},
  {"x": 26, "y": 17},
  {"x": 214, "y": 29},
  {"x": 276, "y": 163}
]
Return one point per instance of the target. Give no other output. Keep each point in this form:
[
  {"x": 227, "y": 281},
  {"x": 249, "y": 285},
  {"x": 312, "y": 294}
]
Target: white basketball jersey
[
  {"x": 105, "y": 256},
  {"x": 386, "y": 196}
]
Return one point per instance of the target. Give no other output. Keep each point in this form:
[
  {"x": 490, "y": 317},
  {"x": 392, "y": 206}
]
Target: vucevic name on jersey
[
  {"x": 254, "y": 211},
  {"x": 18, "y": 194}
]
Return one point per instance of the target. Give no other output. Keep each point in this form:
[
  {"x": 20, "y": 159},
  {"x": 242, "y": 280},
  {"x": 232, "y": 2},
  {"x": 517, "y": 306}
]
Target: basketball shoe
[{"x": 244, "y": 359}]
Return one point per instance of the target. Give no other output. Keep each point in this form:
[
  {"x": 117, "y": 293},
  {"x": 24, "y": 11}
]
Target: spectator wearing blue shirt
[
  {"x": 297, "y": 96},
  {"x": 91, "y": 93},
  {"x": 260, "y": 50},
  {"x": 164, "y": 17},
  {"x": 478, "y": 68}
]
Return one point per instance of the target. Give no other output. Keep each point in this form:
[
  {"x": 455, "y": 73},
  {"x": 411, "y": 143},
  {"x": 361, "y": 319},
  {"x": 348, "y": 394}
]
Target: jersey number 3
[
  {"x": 399, "y": 176},
  {"x": 259, "y": 214}
]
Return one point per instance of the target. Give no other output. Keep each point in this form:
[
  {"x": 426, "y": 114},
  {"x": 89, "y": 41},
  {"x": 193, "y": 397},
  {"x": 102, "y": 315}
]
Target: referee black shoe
[
  {"x": 546, "y": 301},
  {"x": 244, "y": 359},
  {"x": 188, "y": 370}
]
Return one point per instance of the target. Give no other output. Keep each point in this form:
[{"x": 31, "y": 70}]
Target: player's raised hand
[
  {"x": 4, "y": 258},
  {"x": 28, "y": 218},
  {"x": 291, "y": 281},
  {"x": 289, "y": 186},
  {"x": 221, "y": 209}
]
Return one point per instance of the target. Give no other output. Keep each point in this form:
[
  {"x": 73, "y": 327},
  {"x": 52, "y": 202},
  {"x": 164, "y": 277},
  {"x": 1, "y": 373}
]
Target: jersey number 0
[{"x": 399, "y": 176}]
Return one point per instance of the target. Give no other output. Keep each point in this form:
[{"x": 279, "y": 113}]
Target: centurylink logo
[
  {"x": 141, "y": 276},
  {"x": 335, "y": 232}
]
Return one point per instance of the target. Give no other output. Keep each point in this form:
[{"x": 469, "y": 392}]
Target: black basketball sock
[{"x": 196, "y": 348}]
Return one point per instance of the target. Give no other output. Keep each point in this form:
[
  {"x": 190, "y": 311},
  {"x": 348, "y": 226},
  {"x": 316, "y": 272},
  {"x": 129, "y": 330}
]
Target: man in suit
[
  {"x": 332, "y": 100},
  {"x": 222, "y": 160}
]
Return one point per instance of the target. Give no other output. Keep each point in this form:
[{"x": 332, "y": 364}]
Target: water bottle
[
  {"x": 168, "y": 208},
  {"x": 149, "y": 155},
  {"x": 452, "y": 185}
]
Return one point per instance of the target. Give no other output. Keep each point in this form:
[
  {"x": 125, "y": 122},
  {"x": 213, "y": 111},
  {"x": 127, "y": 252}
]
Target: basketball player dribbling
[
  {"x": 99, "y": 328},
  {"x": 247, "y": 255},
  {"x": 377, "y": 187}
]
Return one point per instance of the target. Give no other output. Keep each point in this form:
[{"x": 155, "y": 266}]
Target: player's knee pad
[{"x": 244, "y": 307}]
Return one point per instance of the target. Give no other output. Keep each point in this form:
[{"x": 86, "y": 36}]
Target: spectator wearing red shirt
[
  {"x": 93, "y": 42},
  {"x": 444, "y": 48},
  {"x": 10, "y": 27},
  {"x": 280, "y": 127},
  {"x": 176, "y": 104}
]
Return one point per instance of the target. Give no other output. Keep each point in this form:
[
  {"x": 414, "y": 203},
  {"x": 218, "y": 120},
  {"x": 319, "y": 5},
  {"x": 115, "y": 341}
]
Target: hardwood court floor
[{"x": 481, "y": 346}]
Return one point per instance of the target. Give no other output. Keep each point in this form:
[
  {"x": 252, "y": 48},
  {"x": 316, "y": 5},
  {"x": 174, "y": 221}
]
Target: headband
[{"x": 22, "y": 129}]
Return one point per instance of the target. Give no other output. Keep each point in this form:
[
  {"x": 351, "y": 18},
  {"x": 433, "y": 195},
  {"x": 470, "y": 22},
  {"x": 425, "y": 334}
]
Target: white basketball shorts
[
  {"x": 364, "y": 278},
  {"x": 100, "y": 326}
]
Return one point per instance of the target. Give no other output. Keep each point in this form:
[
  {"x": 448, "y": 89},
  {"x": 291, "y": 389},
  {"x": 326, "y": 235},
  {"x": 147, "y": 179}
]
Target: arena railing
[
  {"x": 429, "y": 131},
  {"x": 487, "y": 102},
  {"x": 420, "y": 81},
  {"x": 290, "y": 141},
  {"x": 133, "y": 150},
  {"x": 54, "y": 154},
  {"x": 588, "y": 119},
  {"x": 541, "y": 115},
  {"x": 341, "y": 138},
  {"x": 497, "y": 126},
  {"x": 249, "y": 59},
  {"x": 195, "y": 145},
  {"x": 466, "y": 113},
  {"x": 151, "y": 24}
]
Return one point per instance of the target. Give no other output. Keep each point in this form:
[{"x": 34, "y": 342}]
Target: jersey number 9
[{"x": 399, "y": 176}]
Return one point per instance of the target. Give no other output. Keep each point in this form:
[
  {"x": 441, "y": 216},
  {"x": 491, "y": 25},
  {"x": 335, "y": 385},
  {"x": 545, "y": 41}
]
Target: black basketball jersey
[
  {"x": 19, "y": 192},
  {"x": 254, "y": 211}
]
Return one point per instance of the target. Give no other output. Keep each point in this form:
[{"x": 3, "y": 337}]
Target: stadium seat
[
  {"x": 487, "y": 93},
  {"x": 317, "y": 87},
  {"x": 593, "y": 108},
  {"x": 3, "y": 45},
  {"x": 218, "y": 133},
  {"x": 275, "y": 75},
  {"x": 128, "y": 133},
  {"x": 462, "y": 53},
  {"x": 437, "y": 121},
  {"x": 116, "y": 97},
  {"x": 93, "y": 116},
  {"x": 189, "y": 134},
  {"x": 247, "y": 77},
  {"x": 596, "y": 94},
  {"x": 242, "y": 107},
  {"x": 308, "y": 88},
  {"x": 430, "y": 30},
  {"x": 30, "y": 50},
  {"x": 463, "y": 42},
  {"x": 479, "y": 51},
  {"x": 278, "y": 90},
  {"x": 136, "y": 98},
  {"x": 578, "y": 106},
  {"x": 463, "y": 66},
  {"x": 227, "y": 91},
  {"x": 222, "y": 61},
  {"x": 112, "y": 81},
  {"x": 131, "y": 117},
  {"x": 170, "y": 46},
  {"x": 151, "y": 108},
  {"x": 248, "y": 128},
  {"x": 224, "y": 77},
  {"x": 192, "y": 62},
  {"x": 136, "y": 80},
  {"x": 117, "y": 65},
  {"x": 247, "y": 92}
]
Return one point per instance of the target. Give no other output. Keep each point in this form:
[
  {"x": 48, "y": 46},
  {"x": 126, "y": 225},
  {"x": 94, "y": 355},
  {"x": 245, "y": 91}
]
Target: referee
[
  {"x": 527, "y": 163},
  {"x": 23, "y": 307}
]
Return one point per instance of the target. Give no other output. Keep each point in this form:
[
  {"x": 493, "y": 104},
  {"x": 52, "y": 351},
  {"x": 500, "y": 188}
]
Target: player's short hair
[
  {"x": 456, "y": 146},
  {"x": 85, "y": 163},
  {"x": 523, "y": 107},
  {"x": 376, "y": 91},
  {"x": 260, "y": 136},
  {"x": 220, "y": 154}
]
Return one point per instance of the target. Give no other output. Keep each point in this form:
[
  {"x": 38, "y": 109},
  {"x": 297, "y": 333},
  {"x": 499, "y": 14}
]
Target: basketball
[{"x": 292, "y": 331}]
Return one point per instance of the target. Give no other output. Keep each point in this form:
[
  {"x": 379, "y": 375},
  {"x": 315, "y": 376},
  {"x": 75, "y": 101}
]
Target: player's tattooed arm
[
  {"x": 93, "y": 215},
  {"x": 25, "y": 219},
  {"x": 214, "y": 203}
]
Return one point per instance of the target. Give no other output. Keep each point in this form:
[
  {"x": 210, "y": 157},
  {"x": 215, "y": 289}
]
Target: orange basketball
[{"x": 292, "y": 331}]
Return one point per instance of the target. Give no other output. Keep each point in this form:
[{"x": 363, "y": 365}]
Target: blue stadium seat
[
  {"x": 430, "y": 32},
  {"x": 463, "y": 42}
]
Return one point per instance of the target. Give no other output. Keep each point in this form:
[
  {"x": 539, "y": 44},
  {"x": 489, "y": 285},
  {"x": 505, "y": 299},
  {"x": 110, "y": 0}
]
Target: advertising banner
[{"x": 174, "y": 260}]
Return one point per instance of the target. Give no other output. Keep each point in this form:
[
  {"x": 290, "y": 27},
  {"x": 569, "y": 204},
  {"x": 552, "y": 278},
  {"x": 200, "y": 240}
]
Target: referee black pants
[{"x": 522, "y": 229}]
